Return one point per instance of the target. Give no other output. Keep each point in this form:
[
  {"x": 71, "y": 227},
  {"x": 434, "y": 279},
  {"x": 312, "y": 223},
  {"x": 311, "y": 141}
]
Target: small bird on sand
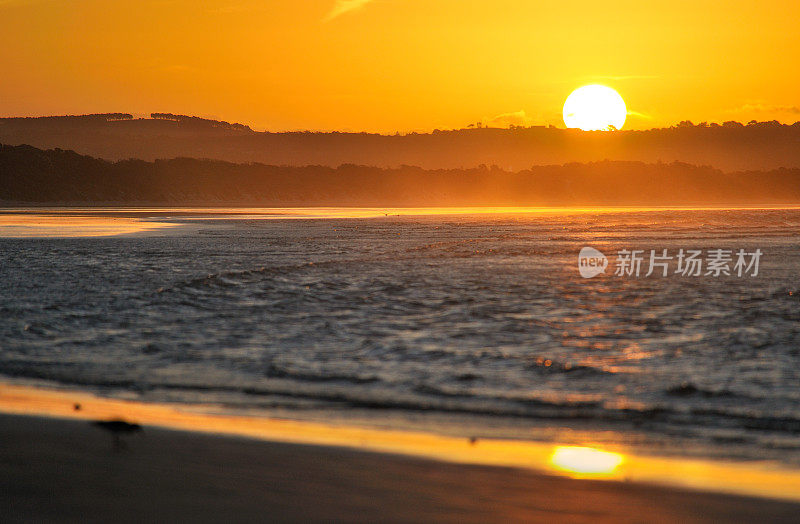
[{"x": 117, "y": 428}]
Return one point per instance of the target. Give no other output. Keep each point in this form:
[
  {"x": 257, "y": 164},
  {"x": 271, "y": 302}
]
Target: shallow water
[{"x": 468, "y": 325}]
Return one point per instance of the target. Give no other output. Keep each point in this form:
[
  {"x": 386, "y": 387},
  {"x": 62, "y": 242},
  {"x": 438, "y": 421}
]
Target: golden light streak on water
[{"x": 585, "y": 461}]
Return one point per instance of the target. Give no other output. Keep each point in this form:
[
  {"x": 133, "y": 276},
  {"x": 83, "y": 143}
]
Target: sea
[{"x": 478, "y": 324}]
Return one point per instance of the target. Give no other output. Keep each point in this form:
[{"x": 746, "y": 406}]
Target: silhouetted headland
[{"x": 730, "y": 146}]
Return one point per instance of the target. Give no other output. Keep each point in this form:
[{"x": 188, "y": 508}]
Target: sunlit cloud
[
  {"x": 624, "y": 77},
  {"x": 344, "y": 6},
  {"x": 237, "y": 8},
  {"x": 9, "y": 3},
  {"x": 767, "y": 108},
  {"x": 637, "y": 114}
]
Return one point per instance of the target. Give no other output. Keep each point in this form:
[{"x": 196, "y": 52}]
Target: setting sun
[{"x": 595, "y": 108}]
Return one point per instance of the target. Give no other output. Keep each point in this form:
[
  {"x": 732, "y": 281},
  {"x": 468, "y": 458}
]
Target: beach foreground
[
  {"x": 306, "y": 370},
  {"x": 69, "y": 470}
]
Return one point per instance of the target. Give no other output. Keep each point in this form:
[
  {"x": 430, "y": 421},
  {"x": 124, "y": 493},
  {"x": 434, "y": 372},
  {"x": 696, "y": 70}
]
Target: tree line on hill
[
  {"x": 31, "y": 175},
  {"x": 730, "y": 146}
]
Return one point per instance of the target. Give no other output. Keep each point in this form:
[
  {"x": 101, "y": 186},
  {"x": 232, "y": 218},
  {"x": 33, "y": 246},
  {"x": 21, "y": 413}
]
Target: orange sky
[{"x": 399, "y": 65}]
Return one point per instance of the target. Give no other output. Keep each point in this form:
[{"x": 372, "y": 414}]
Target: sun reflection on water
[{"x": 585, "y": 461}]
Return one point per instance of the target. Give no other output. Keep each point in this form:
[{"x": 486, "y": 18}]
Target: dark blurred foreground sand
[{"x": 68, "y": 470}]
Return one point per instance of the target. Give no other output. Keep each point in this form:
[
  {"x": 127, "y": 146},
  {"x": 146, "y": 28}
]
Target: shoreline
[
  {"x": 68, "y": 470},
  {"x": 760, "y": 479},
  {"x": 133, "y": 209},
  {"x": 32, "y": 222}
]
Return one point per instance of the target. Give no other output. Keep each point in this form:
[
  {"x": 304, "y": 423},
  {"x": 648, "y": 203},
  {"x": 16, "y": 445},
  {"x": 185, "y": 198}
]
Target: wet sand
[
  {"x": 105, "y": 221},
  {"x": 56, "y": 469},
  {"x": 63, "y": 467},
  {"x": 23, "y": 225}
]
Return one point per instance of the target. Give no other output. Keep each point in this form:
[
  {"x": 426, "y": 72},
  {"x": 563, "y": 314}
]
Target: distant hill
[
  {"x": 730, "y": 146},
  {"x": 32, "y": 175}
]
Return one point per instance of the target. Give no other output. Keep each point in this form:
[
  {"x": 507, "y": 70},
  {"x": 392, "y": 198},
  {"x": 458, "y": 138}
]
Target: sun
[{"x": 595, "y": 108}]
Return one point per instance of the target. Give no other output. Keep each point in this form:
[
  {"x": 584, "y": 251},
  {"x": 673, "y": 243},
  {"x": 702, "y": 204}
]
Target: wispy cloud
[
  {"x": 619, "y": 78},
  {"x": 4, "y": 3},
  {"x": 236, "y": 8},
  {"x": 517, "y": 118},
  {"x": 637, "y": 114},
  {"x": 767, "y": 108},
  {"x": 344, "y": 6}
]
